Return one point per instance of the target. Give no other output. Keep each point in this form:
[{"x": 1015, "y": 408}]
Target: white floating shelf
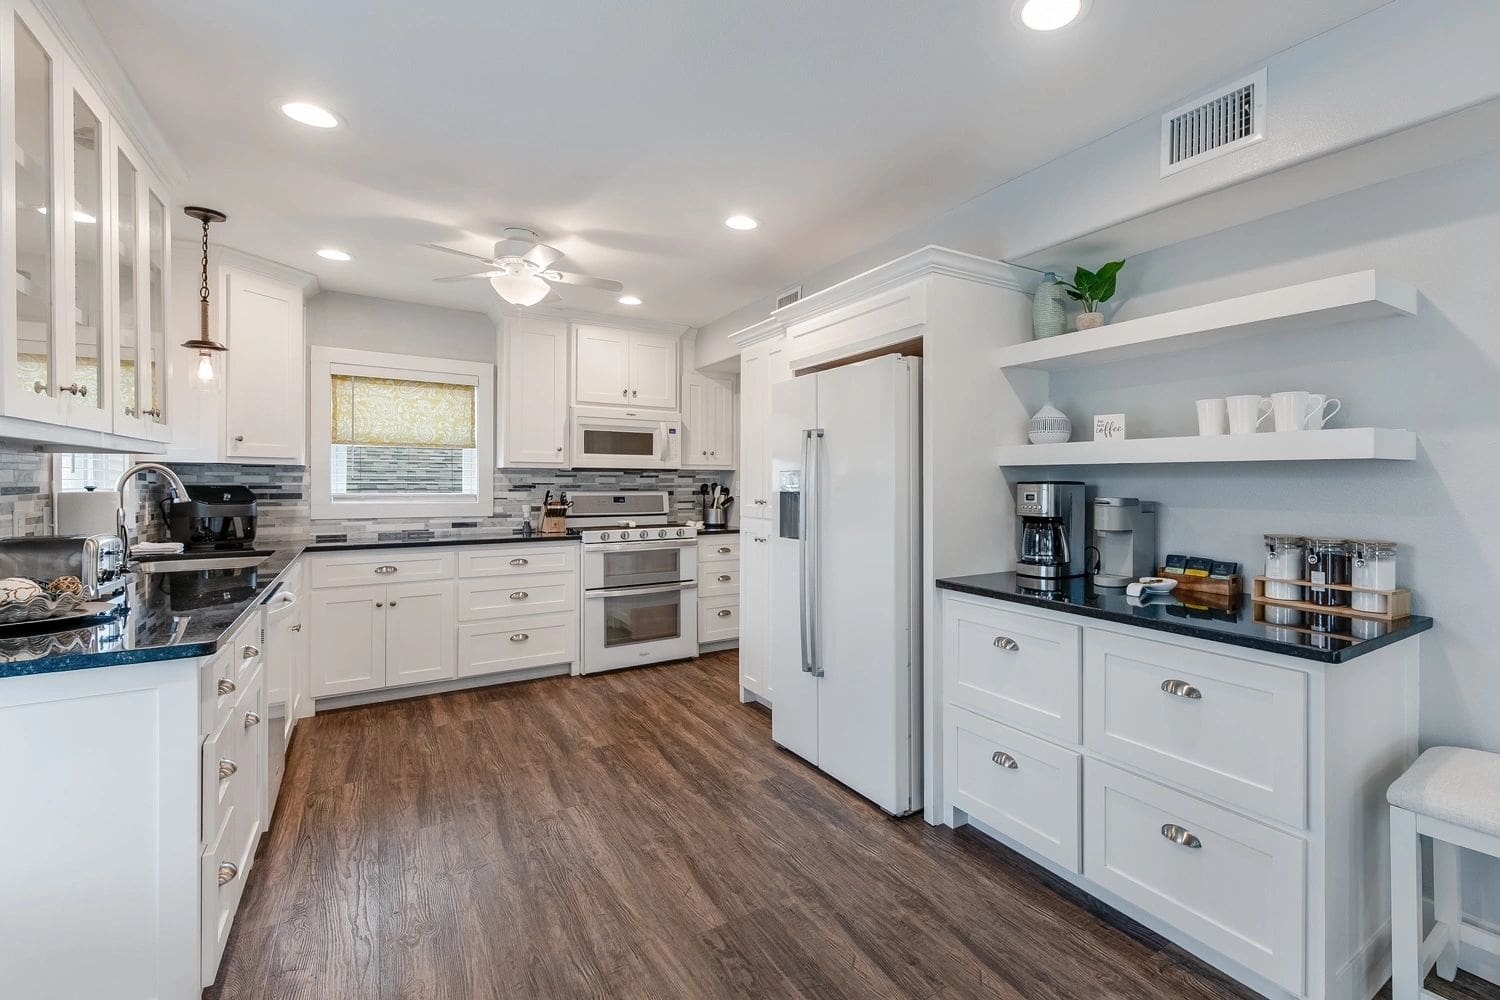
[
  {"x": 1341, "y": 299},
  {"x": 1342, "y": 444}
]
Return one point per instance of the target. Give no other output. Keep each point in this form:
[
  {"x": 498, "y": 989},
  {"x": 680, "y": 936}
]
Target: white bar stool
[{"x": 1451, "y": 795}]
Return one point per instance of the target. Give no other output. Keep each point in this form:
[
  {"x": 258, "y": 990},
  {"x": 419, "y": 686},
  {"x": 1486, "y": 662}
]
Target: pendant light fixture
[{"x": 206, "y": 374}]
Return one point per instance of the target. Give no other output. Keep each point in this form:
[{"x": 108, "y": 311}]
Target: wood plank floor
[{"x": 637, "y": 835}]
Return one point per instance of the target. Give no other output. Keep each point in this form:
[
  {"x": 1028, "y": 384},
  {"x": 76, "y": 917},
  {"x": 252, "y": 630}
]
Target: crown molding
[
  {"x": 771, "y": 326},
  {"x": 219, "y": 255},
  {"x": 930, "y": 260},
  {"x": 503, "y": 310}
]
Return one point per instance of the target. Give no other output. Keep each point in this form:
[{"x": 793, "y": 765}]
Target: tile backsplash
[
  {"x": 282, "y": 494},
  {"x": 25, "y": 493}
]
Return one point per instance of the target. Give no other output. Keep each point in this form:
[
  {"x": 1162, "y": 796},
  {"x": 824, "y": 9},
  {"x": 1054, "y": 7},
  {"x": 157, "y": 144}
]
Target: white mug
[
  {"x": 1290, "y": 409},
  {"x": 1247, "y": 413},
  {"x": 1317, "y": 403},
  {"x": 1213, "y": 417}
]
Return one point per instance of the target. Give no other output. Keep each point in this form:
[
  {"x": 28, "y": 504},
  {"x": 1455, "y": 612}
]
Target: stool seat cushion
[{"x": 1453, "y": 784}]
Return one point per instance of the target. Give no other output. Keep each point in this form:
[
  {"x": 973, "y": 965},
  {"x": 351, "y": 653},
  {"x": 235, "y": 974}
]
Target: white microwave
[{"x": 610, "y": 438}]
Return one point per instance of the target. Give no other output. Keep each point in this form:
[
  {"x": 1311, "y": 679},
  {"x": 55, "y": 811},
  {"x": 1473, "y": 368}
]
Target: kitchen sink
[{"x": 196, "y": 563}]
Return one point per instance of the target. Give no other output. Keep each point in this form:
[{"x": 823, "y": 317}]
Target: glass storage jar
[
  {"x": 1328, "y": 562},
  {"x": 1286, "y": 559},
  {"x": 1373, "y": 568}
]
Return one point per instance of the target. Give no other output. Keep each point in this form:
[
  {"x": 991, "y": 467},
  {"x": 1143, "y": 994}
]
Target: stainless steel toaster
[{"x": 97, "y": 560}]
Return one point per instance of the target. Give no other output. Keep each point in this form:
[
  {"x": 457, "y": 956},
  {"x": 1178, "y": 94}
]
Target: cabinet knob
[
  {"x": 1005, "y": 760},
  {"x": 1006, "y": 643},
  {"x": 1182, "y": 689},
  {"x": 761, "y": 540},
  {"x": 252, "y": 719},
  {"x": 633, "y": 393},
  {"x": 250, "y": 652},
  {"x": 297, "y": 627},
  {"x": 380, "y": 604},
  {"x": 227, "y": 768},
  {"x": 625, "y": 393},
  {"x": 559, "y": 449},
  {"x": 704, "y": 454},
  {"x": 239, "y": 439},
  {"x": 75, "y": 389},
  {"x": 228, "y": 872},
  {"x": 40, "y": 388},
  {"x": 226, "y": 686},
  {"x": 519, "y": 637},
  {"x": 393, "y": 604},
  {"x": 724, "y": 612},
  {"x": 1179, "y": 836},
  {"x": 519, "y": 595}
]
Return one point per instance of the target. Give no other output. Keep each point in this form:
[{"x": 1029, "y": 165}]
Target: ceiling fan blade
[
  {"x": 543, "y": 256},
  {"x": 583, "y": 280},
  {"x": 465, "y": 277},
  {"x": 459, "y": 253}
]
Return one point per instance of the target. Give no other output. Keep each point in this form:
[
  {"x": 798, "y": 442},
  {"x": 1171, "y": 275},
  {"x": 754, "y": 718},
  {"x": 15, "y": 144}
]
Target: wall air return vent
[
  {"x": 1228, "y": 119},
  {"x": 786, "y": 298}
]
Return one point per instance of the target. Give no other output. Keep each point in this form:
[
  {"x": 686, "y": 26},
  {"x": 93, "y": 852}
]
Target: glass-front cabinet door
[
  {"x": 132, "y": 347},
  {"x": 89, "y": 324},
  {"x": 158, "y": 246},
  {"x": 33, "y": 238}
]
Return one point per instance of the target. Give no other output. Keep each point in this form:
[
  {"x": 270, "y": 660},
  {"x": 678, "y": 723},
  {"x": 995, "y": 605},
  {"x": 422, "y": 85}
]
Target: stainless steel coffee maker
[{"x": 1051, "y": 533}]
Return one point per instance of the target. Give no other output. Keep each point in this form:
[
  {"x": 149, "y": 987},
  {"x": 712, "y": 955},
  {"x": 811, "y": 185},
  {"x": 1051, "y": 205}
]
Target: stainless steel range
[{"x": 640, "y": 580}]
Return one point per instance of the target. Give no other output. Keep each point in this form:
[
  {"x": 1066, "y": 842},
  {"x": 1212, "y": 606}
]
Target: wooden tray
[
  {"x": 1231, "y": 587},
  {"x": 1397, "y": 604}
]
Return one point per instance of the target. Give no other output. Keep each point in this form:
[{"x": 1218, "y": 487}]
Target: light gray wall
[
  {"x": 360, "y": 322},
  {"x": 1437, "y": 374}
]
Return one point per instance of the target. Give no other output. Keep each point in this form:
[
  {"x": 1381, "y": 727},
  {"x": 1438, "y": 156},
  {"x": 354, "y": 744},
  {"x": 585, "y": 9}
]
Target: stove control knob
[
  {"x": 680, "y": 532},
  {"x": 624, "y": 535},
  {"x": 662, "y": 533},
  {"x": 604, "y": 537}
]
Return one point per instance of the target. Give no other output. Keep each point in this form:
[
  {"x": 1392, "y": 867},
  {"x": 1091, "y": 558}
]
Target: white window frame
[
  {"x": 57, "y": 473},
  {"x": 330, "y": 361}
]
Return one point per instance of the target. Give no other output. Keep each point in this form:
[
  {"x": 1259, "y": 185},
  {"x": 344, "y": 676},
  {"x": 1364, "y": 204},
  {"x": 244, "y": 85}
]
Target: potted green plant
[{"x": 1093, "y": 289}]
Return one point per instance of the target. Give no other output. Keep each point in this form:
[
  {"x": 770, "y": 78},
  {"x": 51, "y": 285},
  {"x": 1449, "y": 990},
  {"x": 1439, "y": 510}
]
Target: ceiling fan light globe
[{"x": 520, "y": 289}]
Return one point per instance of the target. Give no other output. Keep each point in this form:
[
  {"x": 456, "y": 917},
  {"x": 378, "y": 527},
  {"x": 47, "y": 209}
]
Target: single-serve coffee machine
[
  {"x": 1051, "y": 543},
  {"x": 1125, "y": 538}
]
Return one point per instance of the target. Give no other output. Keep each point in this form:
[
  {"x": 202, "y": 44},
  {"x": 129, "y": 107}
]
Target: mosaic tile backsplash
[
  {"x": 25, "y": 493},
  {"x": 282, "y": 494}
]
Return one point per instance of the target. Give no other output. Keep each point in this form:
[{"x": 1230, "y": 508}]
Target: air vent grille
[
  {"x": 1226, "y": 120},
  {"x": 786, "y": 298}
]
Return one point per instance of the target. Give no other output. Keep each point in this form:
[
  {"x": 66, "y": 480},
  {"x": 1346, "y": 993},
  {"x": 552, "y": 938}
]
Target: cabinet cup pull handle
[
  {"x": 250, "y": 652},
  {"x": 1006, "y": 643},
  {"x": 227, "y": 768},
  {"x": 1181, "y": 689},
  {"x": 1179, "y": 836},
  {"x": 725, "y": 578},
  {"x": 724, "y": 550},
  {"x": 519, "y": 637},
  {"x": 1005, "y": 760},
  {"x": 252, "y": 719},
  {"x": 520, "y": 561},
  {"x": 228, "y": 872},
  {"x": 385, "y": 570},
  {"x": 519, "y": 595},
  {"x": 226, "y": 686},
  {"x": 724, "y": 612}
]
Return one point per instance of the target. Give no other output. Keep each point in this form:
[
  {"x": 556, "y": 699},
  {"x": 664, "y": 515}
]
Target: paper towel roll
[{"x": 80, "y": 512}]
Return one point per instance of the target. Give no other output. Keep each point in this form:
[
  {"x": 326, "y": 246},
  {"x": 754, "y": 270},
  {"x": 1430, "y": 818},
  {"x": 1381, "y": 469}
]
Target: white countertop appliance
[
  {"x": 1125, "y": 540},
  {"x": 640, "y": 580},
  {"x": 607, "y": 437},
  {"x": 846, "y": 644}
]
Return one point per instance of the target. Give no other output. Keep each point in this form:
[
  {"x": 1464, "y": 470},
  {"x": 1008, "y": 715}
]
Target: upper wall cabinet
[
  {"x": 708, "y": 420},
  {"x": 81, "y": 255},
  {"x": 264, "y": 372},
  {"x": 533, "y": 404},
  {"x": 616, "y": 367}
]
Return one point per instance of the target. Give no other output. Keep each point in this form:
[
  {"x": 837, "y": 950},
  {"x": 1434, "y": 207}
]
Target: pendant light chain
[{"x": 203, "y": 290}]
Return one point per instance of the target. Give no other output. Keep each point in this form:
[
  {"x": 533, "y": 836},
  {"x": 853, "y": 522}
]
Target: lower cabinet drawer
[
  {"x": 510, "y": 560},
  {"x": 225, "y": 867},
  {"x": 1232, "y": 883},
  {"x": 722, "y": 579},
  {"x": 1015, "y": 668},
  {"x": 354, "y": 569},
  {"x": 516, "y": 596},
  {"x": 718, "y": 618},
  {"x": 1024, "y": 787},
  {"x": 495, "y": 647},
  {"x": 220, "y": 771},
  {"x": 725, "y": 548}
]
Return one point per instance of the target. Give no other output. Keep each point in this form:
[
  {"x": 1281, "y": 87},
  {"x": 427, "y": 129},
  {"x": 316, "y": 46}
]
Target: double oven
[{"x": 640, "y": 583}]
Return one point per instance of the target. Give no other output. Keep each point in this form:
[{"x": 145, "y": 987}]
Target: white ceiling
[{"x": 625, "y": 132}]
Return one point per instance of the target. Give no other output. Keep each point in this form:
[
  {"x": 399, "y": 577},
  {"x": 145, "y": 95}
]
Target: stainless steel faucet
[{"x": 174, "y": 483}]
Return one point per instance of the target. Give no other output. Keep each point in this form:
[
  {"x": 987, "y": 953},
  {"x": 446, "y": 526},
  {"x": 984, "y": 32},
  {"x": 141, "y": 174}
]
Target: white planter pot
[{"x": 1090, "y": 321}]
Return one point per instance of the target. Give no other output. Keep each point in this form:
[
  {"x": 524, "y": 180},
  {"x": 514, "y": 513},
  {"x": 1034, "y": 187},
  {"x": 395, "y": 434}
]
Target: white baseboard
[{"x": 437, "y": 687}]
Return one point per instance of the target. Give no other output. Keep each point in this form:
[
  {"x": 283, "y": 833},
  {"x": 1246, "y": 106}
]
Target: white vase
[
  {"x": 1049, "y": 313},
  {"x": 1090, "y": 321},
  {"x": 1049, "y": 425}
]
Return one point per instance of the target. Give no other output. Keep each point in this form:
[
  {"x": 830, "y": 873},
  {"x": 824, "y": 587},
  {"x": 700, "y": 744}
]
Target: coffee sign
[{"x": 1109, "y": 427}]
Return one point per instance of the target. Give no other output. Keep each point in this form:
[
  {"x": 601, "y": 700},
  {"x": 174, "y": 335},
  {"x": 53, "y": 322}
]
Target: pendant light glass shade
[{"x": 520, "y": 289}]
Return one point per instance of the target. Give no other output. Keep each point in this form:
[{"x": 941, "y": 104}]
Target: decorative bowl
[{"x": 41, "y": 608}]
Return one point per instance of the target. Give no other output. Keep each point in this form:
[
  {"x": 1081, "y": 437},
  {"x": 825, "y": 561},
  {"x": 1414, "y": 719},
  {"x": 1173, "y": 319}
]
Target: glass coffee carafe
[{"x": 1044, "y": 542}]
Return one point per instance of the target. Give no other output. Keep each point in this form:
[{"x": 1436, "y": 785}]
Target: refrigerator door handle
[{"x": 808, "y": 529}]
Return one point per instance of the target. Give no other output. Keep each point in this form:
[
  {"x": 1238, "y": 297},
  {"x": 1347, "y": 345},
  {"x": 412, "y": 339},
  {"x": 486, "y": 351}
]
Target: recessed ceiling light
[
  {"x": 1049, "y": 15},
  {"x": 310, "y": 114},
  {"x": 741, "y": 222},
  {"x": 331, "y": 254},
  {"x": 629, "y": 300}
]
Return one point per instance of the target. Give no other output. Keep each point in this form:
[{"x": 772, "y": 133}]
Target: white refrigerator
[{"x": 846, "y": 666}]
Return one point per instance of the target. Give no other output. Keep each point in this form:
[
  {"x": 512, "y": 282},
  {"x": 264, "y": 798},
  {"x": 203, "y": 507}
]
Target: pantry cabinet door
[
  {"x": 348, "y": 640},
  {"x": 534, "y": 395},
  {"x": 653, "y": 370},
  {"x": 264, "y": 368},
  {"x": 603, "y": 366},
  {"x": 421, "y": 627}
]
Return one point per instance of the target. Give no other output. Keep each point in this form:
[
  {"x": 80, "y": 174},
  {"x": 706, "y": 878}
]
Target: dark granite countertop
[
  {"x": 338, "y": 543},
  {"x": 717, "y": 531},
  {"x": 1234, "y": 625}
]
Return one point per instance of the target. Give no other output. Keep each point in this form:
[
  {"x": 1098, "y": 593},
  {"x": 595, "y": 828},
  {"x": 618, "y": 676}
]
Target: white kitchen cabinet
[
  {"x": 761, "y": 367},
  {"x": 718, "y": 588},
  {"x": 617, "y": 367},
  {"x": 708, "y": 423},
  {"x": 265, "y": 371},
  {"x": 421, "y": 623},
  {"x": 533, "y": 406},
  {"x": 755, "y": 612},
  {"x": 348, "y": 640}
]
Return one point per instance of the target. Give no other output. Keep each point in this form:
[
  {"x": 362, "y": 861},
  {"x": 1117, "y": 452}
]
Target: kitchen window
[
  {"x": 401, "y": 436},
  {"x": 80, "y": 471}
]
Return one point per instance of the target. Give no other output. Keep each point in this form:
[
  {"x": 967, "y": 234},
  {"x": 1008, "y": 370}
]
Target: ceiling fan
[{"x": 521, "y": 270}]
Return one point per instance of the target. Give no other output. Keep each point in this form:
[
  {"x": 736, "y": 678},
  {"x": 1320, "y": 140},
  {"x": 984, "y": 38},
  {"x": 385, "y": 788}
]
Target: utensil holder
[{"x": 716, "y": 517}]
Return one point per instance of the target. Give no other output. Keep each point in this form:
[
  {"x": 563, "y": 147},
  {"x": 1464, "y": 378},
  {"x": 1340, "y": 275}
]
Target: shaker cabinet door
[
  {"x": 603, "y": 366},
  {"x": 263, "y": 329},
  {"x": 534, "y": 397},
  {"x": 348, "y": 640}
]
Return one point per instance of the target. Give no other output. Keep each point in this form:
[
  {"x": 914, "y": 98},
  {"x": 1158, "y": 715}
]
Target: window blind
[{"x": 401, "y": 413}]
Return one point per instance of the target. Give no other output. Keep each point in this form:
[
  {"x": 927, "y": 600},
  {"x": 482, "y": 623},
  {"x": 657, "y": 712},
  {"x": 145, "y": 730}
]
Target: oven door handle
[
  {"x": 625, "y": 591},
  {"x": 642, "y": 546}
]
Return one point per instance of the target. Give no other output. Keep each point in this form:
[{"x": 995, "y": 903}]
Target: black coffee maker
[
  {"x": 1051, "y": 533},
  {"x": 212, "y": 518}
]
